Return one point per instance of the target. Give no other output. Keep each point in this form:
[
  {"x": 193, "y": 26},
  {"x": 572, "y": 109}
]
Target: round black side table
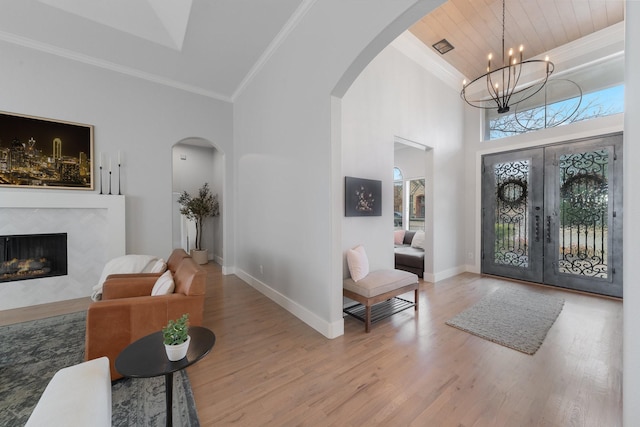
[{"x": 147, "y": 358}]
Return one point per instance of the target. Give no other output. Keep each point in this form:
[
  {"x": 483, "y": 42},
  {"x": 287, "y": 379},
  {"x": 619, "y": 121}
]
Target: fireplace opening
[{"x": 32, "y": 256}]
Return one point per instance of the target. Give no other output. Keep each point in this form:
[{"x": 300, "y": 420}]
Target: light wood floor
[{"x": 270, "y": 369}]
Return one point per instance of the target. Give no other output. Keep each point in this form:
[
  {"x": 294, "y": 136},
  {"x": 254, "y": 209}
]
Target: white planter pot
[
  {"x": 178, "y": 351},
  {"x": 200, "y": 256}
]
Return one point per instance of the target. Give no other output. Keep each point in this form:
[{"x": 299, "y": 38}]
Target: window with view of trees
[
  {"x": 416, "y": 204},
  {"x": 413, "y": 210},
  {"x": 575, "y": 96},
  {"x": 397, "y": 198}
]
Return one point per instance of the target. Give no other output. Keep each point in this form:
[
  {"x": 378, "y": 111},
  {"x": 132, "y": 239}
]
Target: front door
[{"x": 553, "y": 215}]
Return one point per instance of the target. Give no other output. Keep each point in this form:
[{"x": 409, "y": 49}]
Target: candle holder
[
  {"x": 109, "y": 181},
  {"x": 100, "y": 179},
  {"x": 119, "y": 193}
]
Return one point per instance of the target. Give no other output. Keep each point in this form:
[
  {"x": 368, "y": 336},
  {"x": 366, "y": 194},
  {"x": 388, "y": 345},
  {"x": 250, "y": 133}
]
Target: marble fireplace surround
[{"x": 95, "y": 227}]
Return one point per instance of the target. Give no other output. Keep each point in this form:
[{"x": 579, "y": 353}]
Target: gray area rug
[
  {"x": 34, "y": 351},
  {"x": 515, "y": 318}
]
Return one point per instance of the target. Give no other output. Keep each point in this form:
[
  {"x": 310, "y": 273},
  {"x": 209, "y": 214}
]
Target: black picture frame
[
  {"x": 362, "y": 197},
  {"x": 36, "y": 152}
]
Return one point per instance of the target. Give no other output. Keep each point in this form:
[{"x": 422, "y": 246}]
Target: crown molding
[
  {"x": 415, "y": 49},
  {"x": 585, "y": 46},
  {"x": 107, "y": 65},
  {"x": 290, "y": 25}
]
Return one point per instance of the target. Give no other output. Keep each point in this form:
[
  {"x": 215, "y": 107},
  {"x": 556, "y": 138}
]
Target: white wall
[
  {"x": 141, "y": 119},
  {"x": 288, "y": 197},
  {"x": 394, "y": 96},
  {"x": 411, "y": 162}
]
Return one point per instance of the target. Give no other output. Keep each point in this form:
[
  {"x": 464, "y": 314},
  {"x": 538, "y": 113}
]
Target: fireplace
[{"x": 32, "y": 256}]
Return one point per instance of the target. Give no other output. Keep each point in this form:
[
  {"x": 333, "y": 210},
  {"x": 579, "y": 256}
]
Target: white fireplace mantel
[
  {"x": 115, "y": 206},
  {"x": 95, "y": 227}
]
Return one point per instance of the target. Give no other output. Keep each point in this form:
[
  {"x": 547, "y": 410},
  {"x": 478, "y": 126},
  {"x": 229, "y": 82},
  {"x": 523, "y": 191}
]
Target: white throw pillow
[
  {"x": 358, "y": 263},
  {"x": 418, "y": 240},
  {"x": 159, "y": 267},
  {"x": 398, "y": 237},
  {"x": 164, "y": 285}
]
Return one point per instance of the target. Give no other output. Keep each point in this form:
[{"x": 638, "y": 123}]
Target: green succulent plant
[{"x": 176, "y": 330}]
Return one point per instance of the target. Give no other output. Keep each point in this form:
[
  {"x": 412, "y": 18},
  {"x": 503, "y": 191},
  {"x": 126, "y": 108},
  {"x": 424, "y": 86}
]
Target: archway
[{"x": 196, "y": 161}]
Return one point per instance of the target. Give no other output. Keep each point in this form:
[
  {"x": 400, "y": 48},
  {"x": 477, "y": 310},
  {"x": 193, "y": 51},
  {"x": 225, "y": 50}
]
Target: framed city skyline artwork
[
  {"x": 362, "y": 197},
  {"x": 36, "y": 152}
]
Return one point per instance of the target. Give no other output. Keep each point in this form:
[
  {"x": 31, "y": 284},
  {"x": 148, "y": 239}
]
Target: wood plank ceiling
[{"x": 474, "y": 27}]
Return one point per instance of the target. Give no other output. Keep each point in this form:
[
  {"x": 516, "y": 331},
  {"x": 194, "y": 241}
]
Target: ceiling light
[
  {"x": 500, "y": 88},
  {"x": 443, "y": 46}
]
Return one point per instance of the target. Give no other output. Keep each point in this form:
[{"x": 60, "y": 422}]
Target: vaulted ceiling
[
  {"x": 474, "y": 27},
  {"x": 213, "y": 47}
]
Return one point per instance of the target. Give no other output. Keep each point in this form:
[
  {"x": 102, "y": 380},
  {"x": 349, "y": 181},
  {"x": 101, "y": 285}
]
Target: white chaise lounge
[{"x": 76, "y": 396}]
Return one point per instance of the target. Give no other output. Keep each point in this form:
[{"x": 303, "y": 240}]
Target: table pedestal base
[{"x": 168, "y": 393}]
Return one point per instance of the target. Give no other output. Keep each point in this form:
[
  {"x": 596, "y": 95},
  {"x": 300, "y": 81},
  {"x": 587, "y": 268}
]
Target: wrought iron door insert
[{"x": 553, "y": 215}]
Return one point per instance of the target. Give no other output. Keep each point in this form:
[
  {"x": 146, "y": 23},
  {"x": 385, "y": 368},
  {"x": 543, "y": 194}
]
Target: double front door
[{"x": 553, "y": 215}]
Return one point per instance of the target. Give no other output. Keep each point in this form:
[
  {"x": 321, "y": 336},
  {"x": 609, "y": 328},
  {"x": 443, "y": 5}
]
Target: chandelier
[{"x": 501, "y": 88}]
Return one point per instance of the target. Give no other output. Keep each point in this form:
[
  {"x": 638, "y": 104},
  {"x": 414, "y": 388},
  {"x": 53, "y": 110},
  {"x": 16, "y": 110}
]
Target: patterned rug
[
  {"x": 34, "y": 351},
  {"x": 515, "y": 318}
]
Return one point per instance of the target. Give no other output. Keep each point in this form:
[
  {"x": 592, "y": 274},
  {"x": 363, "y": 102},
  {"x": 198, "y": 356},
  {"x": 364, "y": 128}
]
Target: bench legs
[
  {"x": 367, "y": 319},
  {"x": 369, "y": 302}
]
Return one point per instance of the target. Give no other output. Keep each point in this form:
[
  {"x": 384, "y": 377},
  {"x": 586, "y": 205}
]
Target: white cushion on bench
[
  {"x": 79, "y": 395},
  {"x": 379, "y": 282}
]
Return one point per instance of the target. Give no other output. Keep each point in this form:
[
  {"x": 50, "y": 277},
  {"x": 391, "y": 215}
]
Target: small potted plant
[
  {"x": 176, "y": 338},
  {"x": 197, "y": 208}
]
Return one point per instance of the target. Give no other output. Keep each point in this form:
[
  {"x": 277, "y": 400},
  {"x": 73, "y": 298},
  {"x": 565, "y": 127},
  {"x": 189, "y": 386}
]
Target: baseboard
[
  {"x": 472, "y": 268},
  {"x": 432, "y": 278},
  {"x": 328, "y": 329},
  {"x": 448, "y": 273},
  {"x": 428, "y": 277}
]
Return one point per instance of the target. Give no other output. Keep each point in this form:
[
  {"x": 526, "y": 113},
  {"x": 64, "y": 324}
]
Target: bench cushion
[{"x": 379, "y": 282}]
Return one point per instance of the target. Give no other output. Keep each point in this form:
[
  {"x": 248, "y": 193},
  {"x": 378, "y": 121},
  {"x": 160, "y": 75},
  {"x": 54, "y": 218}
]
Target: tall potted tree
[{"x": 198, "y": 208}]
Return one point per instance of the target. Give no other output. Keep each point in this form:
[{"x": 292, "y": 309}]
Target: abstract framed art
[
  {"x": 45, "y": 153},
  {"x": 362, "y": 197}
]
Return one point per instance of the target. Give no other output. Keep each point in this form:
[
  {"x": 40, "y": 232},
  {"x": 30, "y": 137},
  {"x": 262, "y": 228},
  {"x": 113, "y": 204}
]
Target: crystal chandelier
[{"x": 501, "y": 88}]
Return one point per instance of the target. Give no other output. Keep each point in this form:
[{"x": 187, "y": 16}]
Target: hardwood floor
[{"x": 270, "y": 369}]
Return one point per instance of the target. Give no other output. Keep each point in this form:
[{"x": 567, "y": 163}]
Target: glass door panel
[
  {"x": 584, "y": 215},
  {"x": 511, "y": 246},
  {"x": 511, "y": 214},
  {"x": 584, "y": 205}
]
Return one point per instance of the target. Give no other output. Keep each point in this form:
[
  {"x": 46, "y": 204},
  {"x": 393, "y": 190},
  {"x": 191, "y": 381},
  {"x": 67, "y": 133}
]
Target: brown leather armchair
[{"x": 128, "y": 312}]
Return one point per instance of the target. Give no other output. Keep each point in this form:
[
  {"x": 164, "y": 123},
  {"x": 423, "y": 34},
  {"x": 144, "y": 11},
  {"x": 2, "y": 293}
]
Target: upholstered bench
[
  {"x": 79, "y": 395},
  {"x": 380, "y": 286}
]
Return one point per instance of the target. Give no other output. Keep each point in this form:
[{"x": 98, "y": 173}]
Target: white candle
[
  {"x": 109, "y": 164},
  {"x": 100, "y": 157},
  {"x": 119, "y": 158}
]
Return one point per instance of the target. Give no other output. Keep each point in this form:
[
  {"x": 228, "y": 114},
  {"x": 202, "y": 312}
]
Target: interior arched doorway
[
  {"x": 340, "y": 235},
  {"x": 196, "y": 161}
]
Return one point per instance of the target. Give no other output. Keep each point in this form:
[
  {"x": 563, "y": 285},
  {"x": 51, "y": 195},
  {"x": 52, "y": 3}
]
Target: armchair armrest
[
  {"x": 128, "y": 286},
  {"x": 126, "y": 275},
  {"x": 114, "y": 324}
]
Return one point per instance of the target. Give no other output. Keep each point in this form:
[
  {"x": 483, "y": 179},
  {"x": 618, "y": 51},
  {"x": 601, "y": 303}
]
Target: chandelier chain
[
  {"x": 502, "y": 86},
  {"x": 503, "y": 25}
]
